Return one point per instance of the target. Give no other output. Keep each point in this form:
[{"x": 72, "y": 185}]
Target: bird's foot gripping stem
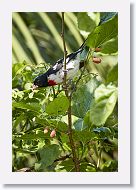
[
  {"x": 70, "y": 86},
  {"x": 65, "y": 71},
  {"x": 65, "y": 86}
]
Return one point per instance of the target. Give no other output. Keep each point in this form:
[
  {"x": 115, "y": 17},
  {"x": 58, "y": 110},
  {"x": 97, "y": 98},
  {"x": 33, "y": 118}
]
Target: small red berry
[
  {"x": 97, "y": 49},
  {"x": 53, "y": 134},
  {"x": 46, "y": 130},
  {"x": 96, "y": 60}
]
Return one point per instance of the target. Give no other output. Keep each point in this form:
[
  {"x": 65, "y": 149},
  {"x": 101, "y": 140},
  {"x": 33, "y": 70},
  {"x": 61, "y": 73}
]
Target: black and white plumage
[{"x": 55, "y": 75}]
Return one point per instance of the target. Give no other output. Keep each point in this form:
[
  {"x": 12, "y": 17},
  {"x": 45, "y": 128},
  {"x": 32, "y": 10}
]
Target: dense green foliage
[{"x": 37, "y": 43}]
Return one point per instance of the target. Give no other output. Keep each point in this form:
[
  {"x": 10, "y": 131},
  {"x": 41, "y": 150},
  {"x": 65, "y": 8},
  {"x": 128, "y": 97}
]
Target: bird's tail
[
  {"x": 83, "y": 44},
  {"x": 84, "y": 53},
  {"x": 84, "y": 50}
]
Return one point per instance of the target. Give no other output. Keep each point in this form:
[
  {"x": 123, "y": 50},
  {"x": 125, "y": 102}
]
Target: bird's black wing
[{"x": 59, "y": 64}]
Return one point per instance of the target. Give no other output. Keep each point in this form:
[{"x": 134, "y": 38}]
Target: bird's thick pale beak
[{"x": 34, "y": 87}]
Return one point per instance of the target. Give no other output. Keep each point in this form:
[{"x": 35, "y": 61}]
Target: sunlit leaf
[
  {"x": 27, "y": 106},
  {"x": 48, "y": 155},
  {"x": 18, "y": 120},
  {"x": 83, "y": 136},
  {"x": 83, "y": 98},
  {"x": 67, "y": 165},
  {"x": 87, "y": 21},
  {"x": 110, "y": 165},
  {"x": 105, "y": 16},
  {"x": 112, "y": 75},
  {"x": 32, "y": 136},
  {"x": 18, "y": 68},
  {"x": 105, "y": 101},
  {"x": 110, "y": 47},
  {"x": 54, "y": 123},
  {"x": 103, "y": 33},
  {"x": 58, "y": 106}
]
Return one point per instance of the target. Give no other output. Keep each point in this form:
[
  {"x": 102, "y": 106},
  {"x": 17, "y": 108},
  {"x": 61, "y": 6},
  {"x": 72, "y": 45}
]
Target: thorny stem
[{"x": 70, "y": 133}]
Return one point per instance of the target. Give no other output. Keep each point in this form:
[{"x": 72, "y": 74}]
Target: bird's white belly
[{"x": 72, "y": 69}]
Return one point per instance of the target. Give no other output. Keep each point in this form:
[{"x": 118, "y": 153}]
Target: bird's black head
[{"x": 40, "y": 81}]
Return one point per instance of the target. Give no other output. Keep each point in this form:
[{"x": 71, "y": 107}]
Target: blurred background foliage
[
  {"x": 37, "y": 36},
  {"x": 37, "y": 44}
]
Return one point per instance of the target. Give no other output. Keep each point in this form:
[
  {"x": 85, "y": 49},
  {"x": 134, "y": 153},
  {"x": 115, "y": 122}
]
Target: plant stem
[
  {"x": 54, "y": 95},
  {"x": 70, "y": 133},
  {"x": 99, "y": 157},
  {"x": 65, "y": 55}
]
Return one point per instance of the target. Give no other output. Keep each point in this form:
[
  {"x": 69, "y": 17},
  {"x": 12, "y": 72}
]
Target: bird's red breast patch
[{"x": 51, "y": 82}]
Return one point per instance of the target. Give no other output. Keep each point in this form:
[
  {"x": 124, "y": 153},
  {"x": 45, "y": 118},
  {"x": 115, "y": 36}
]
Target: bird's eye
[{"x": 38, "y": 81}]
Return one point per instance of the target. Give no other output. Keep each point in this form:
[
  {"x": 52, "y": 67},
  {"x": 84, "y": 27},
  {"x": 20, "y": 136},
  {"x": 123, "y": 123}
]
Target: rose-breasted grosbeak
[{"x": 55, "y": 75}]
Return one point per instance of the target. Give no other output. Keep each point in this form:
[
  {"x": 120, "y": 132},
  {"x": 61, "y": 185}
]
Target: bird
[{"x": 55, "y": 74}]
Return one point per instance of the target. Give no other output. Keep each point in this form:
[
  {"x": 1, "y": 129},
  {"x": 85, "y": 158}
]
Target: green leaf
[
  {"x": 88, "y": 21},
  {"x": 110, "y": 166},
  {"x": 79, "y": 125},
  {"x": 84, "y": 53},
  {"x": 91, "y": 168},
  {"x": 57, "y": 124},
  {"x": 102, "y": 130},
  {"x": 32, "y": 136},
  {"x": 83, "y": 136},
  {"x": 43, "y": 122},
  {"x": 67, "y": 165},
  {"x": 110, "y": 47},
  {"x": 105, "y": 16},
  {"x": 105, "y": 101},
  {"x": 28, "y": 37},
  {"x": 83, "y": 98},
  {"x": 113, "y": 118},
  {"x": 87, "y": 120},
  {"x": 83, "y": 166},
  {"x": 18, "y": 120},
  {"x": 112, "y": 75},
  {"x": 39, "y": 95},
  {"x": 50, "y": 24},
  {"x": 18, "y": 68},
  {"x": 58, "y": 106},
  {"x": 35, "y": 107},
  {"x": 48, "y": 155},
  {"x": 103, "y": 33}
]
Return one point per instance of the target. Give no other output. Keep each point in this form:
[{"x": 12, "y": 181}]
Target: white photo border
[{"x": 6, "y": 174}]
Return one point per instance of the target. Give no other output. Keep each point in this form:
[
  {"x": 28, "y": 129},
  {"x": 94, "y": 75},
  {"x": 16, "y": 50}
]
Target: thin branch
[
  {"x": 70, "y": 132},
  {"x": 99, "y": 158},
  {"x": 62, "y": 158},
  {"x": 65, "y": 56},
  {"x": 82, "y": 71},
  {"x": 54, "y": 95}
]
